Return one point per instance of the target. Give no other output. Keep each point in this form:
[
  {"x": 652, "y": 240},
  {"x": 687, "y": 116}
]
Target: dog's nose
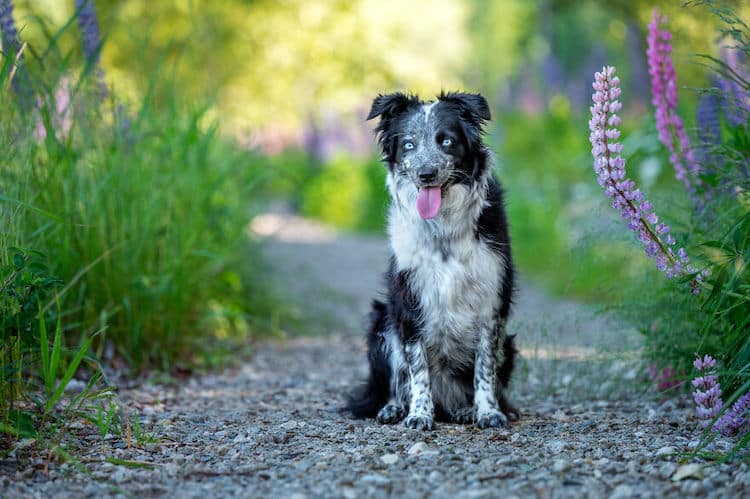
[{"x": 427, "y": 174}]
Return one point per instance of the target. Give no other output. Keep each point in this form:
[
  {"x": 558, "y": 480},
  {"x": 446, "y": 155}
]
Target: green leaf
[
  {"x": 19, "y": 261},
  {"x": 72, "y": 368}
]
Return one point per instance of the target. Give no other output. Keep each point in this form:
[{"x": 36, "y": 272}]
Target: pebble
[
  {"x": 690, "y": 470},
  {"x": 421, "y": 449},
  {"x": 275, "y": 431},
  {"x": 560, "y": 465},
  {"x": 665, "y": 451}
]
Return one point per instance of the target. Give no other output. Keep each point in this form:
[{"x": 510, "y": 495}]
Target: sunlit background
[{"x": 279, "y": 90}]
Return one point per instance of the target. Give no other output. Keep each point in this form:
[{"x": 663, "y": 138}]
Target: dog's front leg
[
  {"x": 421, "y": 408},
  {"x": 488, "y": 412}
]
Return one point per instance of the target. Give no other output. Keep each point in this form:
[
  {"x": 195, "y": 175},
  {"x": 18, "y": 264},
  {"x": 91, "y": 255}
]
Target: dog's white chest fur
[{"x": 454, "y": 275}]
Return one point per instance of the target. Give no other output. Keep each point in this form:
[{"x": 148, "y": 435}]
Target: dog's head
[{"x": 432, "y": 146}]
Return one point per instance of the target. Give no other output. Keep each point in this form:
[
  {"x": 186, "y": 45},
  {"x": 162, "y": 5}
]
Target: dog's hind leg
[{"x": 504, "y": 370}]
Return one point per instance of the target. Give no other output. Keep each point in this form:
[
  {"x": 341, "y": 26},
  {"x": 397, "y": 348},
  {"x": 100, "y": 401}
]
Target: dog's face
[{"x": 431, "y": 146}]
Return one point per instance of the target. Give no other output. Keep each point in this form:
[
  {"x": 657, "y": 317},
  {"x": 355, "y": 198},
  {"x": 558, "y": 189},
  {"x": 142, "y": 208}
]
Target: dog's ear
[
  {"x": 474, "y": 106},
  {"x": 388, "y": 106}
]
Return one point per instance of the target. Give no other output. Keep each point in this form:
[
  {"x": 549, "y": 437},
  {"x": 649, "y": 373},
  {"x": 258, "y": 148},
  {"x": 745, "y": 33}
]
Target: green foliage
[
  {"x": 25, "y": 288},
  {"x": 347, "y": 193}
]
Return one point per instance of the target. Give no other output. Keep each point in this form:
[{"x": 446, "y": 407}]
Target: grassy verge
[{"x": 122, "y": 238}]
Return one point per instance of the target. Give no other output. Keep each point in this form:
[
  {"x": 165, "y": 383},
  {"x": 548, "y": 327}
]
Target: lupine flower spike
[
  {"x": 708, "y": 401},
  {"x": 89, "y": 28},
  {"x": 629, "y": 201},
  {"x": 707, "y": 393},
  {"x": 664, "y": 98},
  {"x": 12, "y": 46}
]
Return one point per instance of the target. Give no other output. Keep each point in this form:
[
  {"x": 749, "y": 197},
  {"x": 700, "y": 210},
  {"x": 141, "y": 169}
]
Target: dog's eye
[
  {"x": 408, "y": 146},
  {"x": 447, "y": 142}
]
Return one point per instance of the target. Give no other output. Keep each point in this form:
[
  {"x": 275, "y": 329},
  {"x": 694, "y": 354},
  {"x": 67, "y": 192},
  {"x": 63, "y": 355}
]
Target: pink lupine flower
[
  {"x": 664, "y": 98},
  {"x": 666, "y": 378},
  {"x": 626, "y": 198}
]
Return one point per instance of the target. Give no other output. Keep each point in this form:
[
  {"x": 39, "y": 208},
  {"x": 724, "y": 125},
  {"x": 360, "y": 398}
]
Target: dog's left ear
[{"x": 474, "y": 106}]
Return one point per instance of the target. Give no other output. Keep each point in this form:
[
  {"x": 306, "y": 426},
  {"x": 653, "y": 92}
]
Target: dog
[{"x": 437, "y": 344}]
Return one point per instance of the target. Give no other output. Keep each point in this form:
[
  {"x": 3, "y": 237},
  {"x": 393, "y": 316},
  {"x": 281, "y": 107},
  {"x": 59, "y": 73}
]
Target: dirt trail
[{"x": 271, "y": 428}]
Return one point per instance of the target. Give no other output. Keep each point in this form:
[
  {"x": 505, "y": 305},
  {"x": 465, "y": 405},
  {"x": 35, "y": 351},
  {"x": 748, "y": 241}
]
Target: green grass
[{"x": 126, "y": 230}]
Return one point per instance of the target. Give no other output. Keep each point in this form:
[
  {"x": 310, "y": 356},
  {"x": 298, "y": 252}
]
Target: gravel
[{"x": 272, "y": 427}]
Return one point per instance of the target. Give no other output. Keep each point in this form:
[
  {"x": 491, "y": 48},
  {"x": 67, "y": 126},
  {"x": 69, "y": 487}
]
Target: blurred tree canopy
[{"x": 280, "y": 62}]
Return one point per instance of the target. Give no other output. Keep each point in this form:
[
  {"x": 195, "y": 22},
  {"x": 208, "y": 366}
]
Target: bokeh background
[
  {"x": 140, "y": 139},
  {"x": 222, "y": 109}
]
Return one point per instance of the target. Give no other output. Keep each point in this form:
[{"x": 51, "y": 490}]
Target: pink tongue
[{"x": 428, "y": 202}]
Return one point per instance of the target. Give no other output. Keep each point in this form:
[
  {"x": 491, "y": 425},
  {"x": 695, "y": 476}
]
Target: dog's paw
[
  {"x": 419, "y": 422},
  {"x": 390, "y": 414},
  {"x": 463, "y": 416},
  {"x": 492, "y": 419},
  {"x": 509, "y": 409}
]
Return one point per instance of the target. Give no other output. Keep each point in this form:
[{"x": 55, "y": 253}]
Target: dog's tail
[{"x": 366, "y": 400}]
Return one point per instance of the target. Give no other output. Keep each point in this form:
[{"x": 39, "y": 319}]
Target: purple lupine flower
[
  {"x": 629, "y": 201},
  {"x": 708, "y": 113},
  {"x": 708, "y": 401},
  {"x": 11, "y": 45},
  {"x": 736, "y": 101},
  {"x": 707, "y": 390},
  {"x": 736, "y": 420},
  {"x": 8, "y": 31},
  {"x": 89, "y": 27},
  {"x": 664, "y": 98}
]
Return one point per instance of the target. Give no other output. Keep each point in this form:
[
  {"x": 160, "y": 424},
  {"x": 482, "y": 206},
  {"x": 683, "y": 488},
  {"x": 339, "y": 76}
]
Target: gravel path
[{"x": 271, "y": 428}]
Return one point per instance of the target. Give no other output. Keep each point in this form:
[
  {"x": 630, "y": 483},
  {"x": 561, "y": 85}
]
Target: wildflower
[
  {"x": 736, "y": 420},
  {"x": 736, "y": 101},
  {"x": 665, "y": 378},
  {"x": 707, "y": 393},
  {"x": 626, "y": 198},
  {"x": 8, "y": 27},
  {"x": 11, "y": 46},
  {"x": 664, "y": 98},
  {"x": 89, "y": 27},
  {"x": 708, "y": 401},
  {"x": 709, "y": 128}
]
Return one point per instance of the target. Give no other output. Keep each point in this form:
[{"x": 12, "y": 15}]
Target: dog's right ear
[{"x": 388, "y": 106}]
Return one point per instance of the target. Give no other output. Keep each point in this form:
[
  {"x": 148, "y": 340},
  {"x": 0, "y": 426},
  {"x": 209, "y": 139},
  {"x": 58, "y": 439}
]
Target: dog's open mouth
[{"x": 429, "y": 200}]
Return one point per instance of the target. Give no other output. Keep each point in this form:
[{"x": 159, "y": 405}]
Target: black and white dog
[{"x": 437, "y": 346}]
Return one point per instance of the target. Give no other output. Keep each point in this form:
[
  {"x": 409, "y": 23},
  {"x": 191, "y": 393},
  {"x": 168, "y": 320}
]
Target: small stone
[
  {"x": 375, "y": 479},
  {"x": 435, "y": 476},
  {"x": 289, "y": 425},
  {"x": 389, "y": 458},
  {"x": 560, "y": 465},
  {"x": 556, "y": 446},
  {"x": 622, "y": 491},
  {"x": 691, "y": 470},
  {"x": 421, "y": 449},
  {"x": 349, "y": 493},
  {"x": 665, "y": 451}
]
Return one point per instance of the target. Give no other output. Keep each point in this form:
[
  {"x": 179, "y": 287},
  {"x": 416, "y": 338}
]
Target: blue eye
[
  {"x": 408, "y": 146},
  {"x": 447, "y": 142}
]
